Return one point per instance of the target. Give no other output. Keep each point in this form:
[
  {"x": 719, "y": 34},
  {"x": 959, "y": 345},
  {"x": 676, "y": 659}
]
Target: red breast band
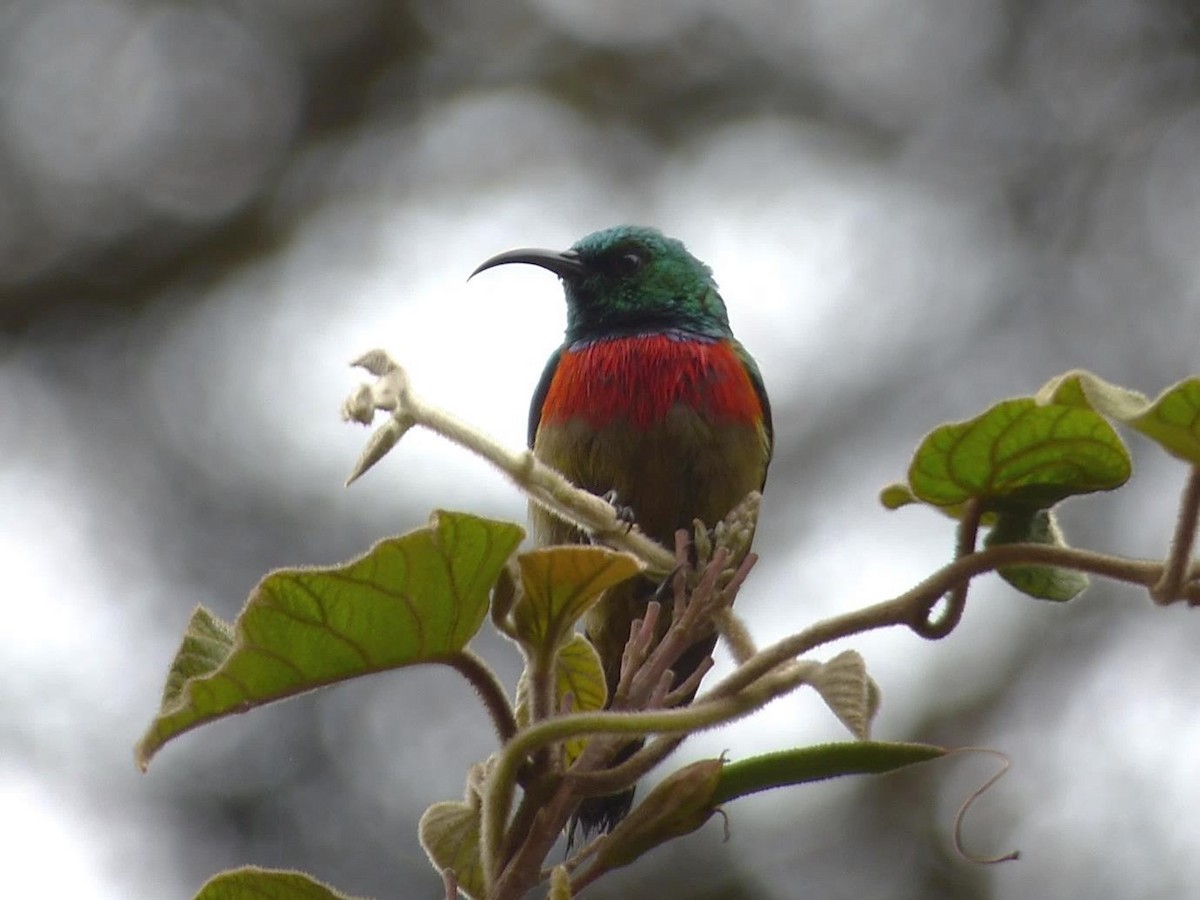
[{"x": 640, "y": 378}]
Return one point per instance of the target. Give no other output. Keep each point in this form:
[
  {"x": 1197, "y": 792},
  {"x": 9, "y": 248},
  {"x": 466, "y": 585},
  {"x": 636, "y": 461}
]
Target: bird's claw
[{"x": 625, "y": 514}]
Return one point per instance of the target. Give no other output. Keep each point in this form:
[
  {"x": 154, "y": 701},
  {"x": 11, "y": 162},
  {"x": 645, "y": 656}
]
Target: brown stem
[
  {"x": 956, "y": 600},
  {"x": 489, "y": 689},
  {"x": 900, "y": 610}
]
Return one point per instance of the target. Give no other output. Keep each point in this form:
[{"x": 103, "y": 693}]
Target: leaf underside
[{"x": 412, "y": 599}]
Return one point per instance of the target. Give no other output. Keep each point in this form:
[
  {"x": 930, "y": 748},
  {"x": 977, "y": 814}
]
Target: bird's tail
[{"x": 601, "y": 814}]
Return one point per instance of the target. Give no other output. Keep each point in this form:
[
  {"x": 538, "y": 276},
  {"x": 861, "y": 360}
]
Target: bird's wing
[
  {"x": 756, "y": 380},
  {"x": 539, "y": 395}
]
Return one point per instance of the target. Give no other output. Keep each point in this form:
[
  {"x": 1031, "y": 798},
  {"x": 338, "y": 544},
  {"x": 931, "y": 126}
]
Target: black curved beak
[{"x": 564, "y": 264}]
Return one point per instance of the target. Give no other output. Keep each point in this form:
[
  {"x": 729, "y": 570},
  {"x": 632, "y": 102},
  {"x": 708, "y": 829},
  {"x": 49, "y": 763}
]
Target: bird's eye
[{"x": 628, "y": 263}]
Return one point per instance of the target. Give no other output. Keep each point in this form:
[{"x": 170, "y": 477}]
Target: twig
[
  {"x": 901, "y": 609},
  {"x": 956, "y": 599},
  {"x": 646, "y": 669},
  {"x": 545, "y": 486},
  {"x": 499, "y": 786}
]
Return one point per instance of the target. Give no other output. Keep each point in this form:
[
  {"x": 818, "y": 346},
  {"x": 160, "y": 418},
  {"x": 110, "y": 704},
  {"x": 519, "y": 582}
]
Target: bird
[{"x": 650, "y": 402}]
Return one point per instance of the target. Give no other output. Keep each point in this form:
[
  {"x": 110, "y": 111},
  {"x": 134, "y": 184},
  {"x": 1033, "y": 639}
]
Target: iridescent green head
[{"x": 629, "y": 280}]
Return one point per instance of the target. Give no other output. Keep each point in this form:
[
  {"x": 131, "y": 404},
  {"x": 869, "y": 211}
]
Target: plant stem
[
  {"x": 523, "y": 868},
  {"x": 956, "y": 599},
  {"x": 900, "y": 610},
  {"x": 1167, "y": 589},
  {"x": 542, "y": 484},
  {"x": 498, "y": 790},
  {"x": 489, "y": 689}
]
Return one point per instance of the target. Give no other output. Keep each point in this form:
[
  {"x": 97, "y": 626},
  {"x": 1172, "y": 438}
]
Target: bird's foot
[{"x": 625, "y": 515}]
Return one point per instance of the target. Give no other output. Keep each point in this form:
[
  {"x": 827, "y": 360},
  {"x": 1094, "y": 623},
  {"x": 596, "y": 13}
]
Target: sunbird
[{"x": 652, "y": 402}]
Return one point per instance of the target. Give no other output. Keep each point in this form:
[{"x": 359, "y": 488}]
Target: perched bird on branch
[{"x": 651, "y": 401}]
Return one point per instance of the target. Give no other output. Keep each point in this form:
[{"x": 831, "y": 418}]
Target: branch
[
  {"x": 762, "y": 675},
  {"x": 913, "y": 604},
  {"x": 544, "y": 485},
  {"x": 499, "y": 788},
  {"x": 645, "y": 686}
]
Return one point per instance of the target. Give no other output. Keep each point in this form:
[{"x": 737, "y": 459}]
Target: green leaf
[
  {"x": 416, "y": 598},
  {"x": 896, "y": 495},
  {"x": 561, "y": 583},
  {"x": 206, "y": 643},
  {"x": 577, "y": 671},
  {"x": 1084, "y": 390},
  {"x": 1042, "y": 582},
  {"x": 807, "y": 764},
  {"x": 1018, "y": 454},
  {"x": 252, "y": 883},
  {"x": 449, "y": 834},
  {"x": 1172, "y": 420}
]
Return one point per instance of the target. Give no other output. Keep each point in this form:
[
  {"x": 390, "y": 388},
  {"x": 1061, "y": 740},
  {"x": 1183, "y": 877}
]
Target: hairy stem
[
  {"x": 512, "y": 862},
  {"x": 619, "y": 777},
  {"x": 956, "y": 599},
  {"x": 489, "y": 689},
  {"x": 900, "y": 610},
  {"x": 542, "y": 484},
  {"x": 498, "y": 790},
  {"x": 1168, "y": 588}
]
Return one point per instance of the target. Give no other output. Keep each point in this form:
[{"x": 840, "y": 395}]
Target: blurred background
[{"x": 913, "y": 209}]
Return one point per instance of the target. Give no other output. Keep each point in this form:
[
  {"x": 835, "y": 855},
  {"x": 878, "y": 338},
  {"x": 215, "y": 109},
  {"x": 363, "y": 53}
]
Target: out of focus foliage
[{"x": 913, "y": 209}]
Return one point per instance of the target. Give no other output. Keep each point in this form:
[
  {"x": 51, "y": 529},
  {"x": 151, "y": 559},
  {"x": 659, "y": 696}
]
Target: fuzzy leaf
[
  {"x": 1172, "y": 420},
  {"x": 578, "y": 672},
  {"x": 1042, "y": 582},
  {"x": 561, "y": 583},
  {"x": 252, "y": 883},
  {"x": 1018, "y": 454},
  {"x": 206, "y": 643},
  {"x": 807, "y": 764},
  {"x": 449, "y": 835},
  {"x": 1084, "y": 390},
  {"x": 416, "y": 598},
  {"x": 896, "y": 495},
  {"x": 844, "y": 685},
  {"x": 678, "y": 805}
]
